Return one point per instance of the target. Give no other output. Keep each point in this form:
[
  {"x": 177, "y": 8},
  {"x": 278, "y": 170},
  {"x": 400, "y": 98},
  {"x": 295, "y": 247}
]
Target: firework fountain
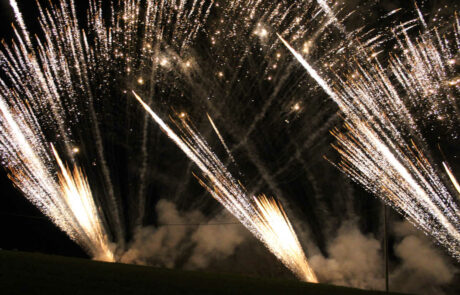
[
  {"x": 71, "y": 87},
  {"x": 263, "y": 216},
  {"x": 62, "y": 195},
  {"x": 53, "y": 89},
  {"x": 57, "y": 86},
  {"x": 383, "y": 147}
]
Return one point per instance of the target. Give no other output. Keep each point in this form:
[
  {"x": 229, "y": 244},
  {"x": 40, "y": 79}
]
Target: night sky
[{"x": 319, "y": 198}]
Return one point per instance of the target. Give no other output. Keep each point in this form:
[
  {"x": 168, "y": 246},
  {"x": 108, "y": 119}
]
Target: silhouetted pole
[{"x": 385, "y": 244}]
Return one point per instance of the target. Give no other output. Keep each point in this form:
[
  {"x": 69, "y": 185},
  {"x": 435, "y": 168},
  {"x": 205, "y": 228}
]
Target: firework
[
  {"x": 73, "y": 79},
  {"x": 78, "y": 197},
  {"x": 451, "y": 176},
  {"x": 54, "y": 89},
  {"x": 70, "y": 87},
  {"x": 264, "y": 217},
  {"x": 382, "y": 111},
  {"x": 64, "y": 196}
]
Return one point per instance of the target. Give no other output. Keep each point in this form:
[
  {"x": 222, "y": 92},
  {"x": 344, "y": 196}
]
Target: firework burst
[
  {"x": 386, "y": 110},
  {"x": 54, "y": 88},
  {"x": 262, "y": 216},
  {"x": 70, "y": 80},
  {"x": 64, "y": 196}
]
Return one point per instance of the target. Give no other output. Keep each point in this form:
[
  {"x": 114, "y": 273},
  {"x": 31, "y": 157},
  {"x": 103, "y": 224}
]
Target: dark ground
[{"x": 33, "y": 273}]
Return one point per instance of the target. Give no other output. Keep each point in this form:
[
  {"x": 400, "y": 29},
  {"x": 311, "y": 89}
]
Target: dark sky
[
  {"x": 23, "y": 227},
  {"x": 27, "y": 229}
]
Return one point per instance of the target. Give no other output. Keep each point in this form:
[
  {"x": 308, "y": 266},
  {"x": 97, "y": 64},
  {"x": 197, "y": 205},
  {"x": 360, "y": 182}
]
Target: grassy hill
[{"x": 32, "y": 273}]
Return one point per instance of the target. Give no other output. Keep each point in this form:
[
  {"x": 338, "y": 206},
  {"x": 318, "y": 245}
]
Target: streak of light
[
  {"x": 378, "y": 148},
  {"x": 262, "y": 216},
  {"x": 229, "y": 153},
  {"x": 451, "y": 176}
]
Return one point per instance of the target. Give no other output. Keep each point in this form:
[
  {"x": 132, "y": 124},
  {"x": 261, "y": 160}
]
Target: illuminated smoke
[
  {"x": 263, "y": 216},
  {"x": 55, "y": 88},
  {"x": 382, "y": 147}
]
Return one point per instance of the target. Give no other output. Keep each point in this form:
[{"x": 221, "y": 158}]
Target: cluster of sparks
[
  {"x": 263, "y": 216},
  {"x": 64, "y": 196},
  {"x": 41, "y": 92},
  {"x": 140, "y": 43},
  {"x": 78, "y": 197},
  {"x": 382, "y": 147},
  {"x": 45, "y": 79}
]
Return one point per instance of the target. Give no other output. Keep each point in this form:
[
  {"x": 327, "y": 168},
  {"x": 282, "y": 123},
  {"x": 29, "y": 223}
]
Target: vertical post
[{"x": 385, "y": 244}]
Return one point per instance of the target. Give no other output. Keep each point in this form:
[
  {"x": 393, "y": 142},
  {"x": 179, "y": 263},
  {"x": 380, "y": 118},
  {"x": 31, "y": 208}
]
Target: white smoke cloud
[
  {"x": 187, "y": 239},
  {"x": 356, "y": 260},
  {"x": 214, "y": 243},
  {"x": 424, "y": 269}
]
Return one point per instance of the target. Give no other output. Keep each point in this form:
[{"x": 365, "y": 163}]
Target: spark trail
[
  {"x": 383, "y": 148},
  {"x": 451, "y": 176},
  {"x": 54, "y": 87},
  {"x": 64, "y": 196},
  {"x": 229, "y": 153},
  {"x": 262, "y": 216},
  {"x": 78, "y": 197}
]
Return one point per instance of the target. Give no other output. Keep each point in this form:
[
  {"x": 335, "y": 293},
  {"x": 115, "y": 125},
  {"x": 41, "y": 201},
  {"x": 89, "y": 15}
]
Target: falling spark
[
  {"x": 229, "y": 153},
  {"x": 263, "y": 217},
  {"x": 451, "y": 176}
]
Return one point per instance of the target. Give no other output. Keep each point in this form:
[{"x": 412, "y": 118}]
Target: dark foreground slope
[{"x": 31, "y": 273}]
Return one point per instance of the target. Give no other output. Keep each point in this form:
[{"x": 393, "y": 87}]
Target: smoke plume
[
  {"x": 423, "y": 269},
  {"x": 184, "y": 239},
  {"x": 356, "y": 260}
]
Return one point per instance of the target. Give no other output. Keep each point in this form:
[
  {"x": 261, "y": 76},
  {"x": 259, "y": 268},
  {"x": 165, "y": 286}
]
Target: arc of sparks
[
  {"x": 262, "y": 216},
  {"x": 374, "y": 151}
]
